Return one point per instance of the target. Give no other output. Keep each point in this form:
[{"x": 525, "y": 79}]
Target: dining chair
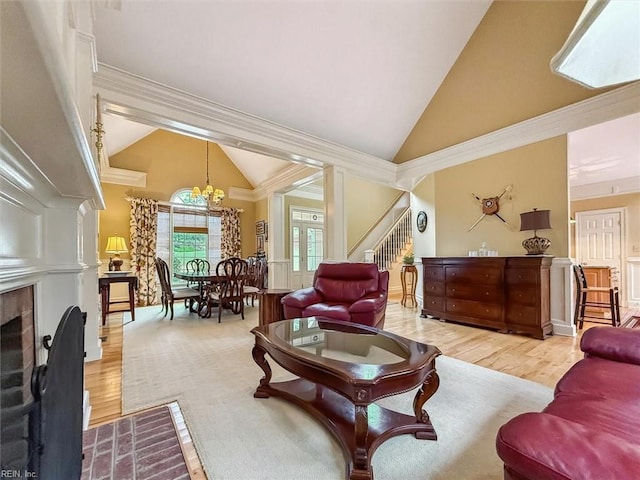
[
  {"x": 170, "y": 295},
  {"x": 609, "y": 300},
  {"x": 229, "y": 291},
  {"x": 255, "y": 279}
]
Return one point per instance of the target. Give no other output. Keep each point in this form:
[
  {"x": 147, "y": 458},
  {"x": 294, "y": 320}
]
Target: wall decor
[
  {"x": 260, "y": 243},
  {"x": 260, "y": 227},
  {"x": 421, "y": 221},
  {"x": 491, "y": 206},
  {"x": 266, "y": 232}
]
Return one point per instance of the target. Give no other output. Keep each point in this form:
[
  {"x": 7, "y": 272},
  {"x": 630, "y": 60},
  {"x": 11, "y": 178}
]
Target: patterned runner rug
[
  {"x": 142, "y": 446},
  {"x": 631, "y": 319}
]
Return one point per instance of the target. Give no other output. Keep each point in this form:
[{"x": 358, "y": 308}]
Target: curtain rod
[{"x": 197, "y": 207}]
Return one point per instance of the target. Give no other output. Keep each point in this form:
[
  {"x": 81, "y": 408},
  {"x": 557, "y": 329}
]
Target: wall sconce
[
  {"x": 116, "y": 245},
  {"x": 535, "y": 220}
]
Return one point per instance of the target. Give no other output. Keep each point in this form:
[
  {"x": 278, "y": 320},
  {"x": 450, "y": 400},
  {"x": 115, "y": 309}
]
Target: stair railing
[{"x": 396, "y": 239}]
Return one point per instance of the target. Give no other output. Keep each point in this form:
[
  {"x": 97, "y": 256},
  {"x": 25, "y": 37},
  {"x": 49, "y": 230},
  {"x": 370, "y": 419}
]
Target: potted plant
[{"x": 408, "y": 259}]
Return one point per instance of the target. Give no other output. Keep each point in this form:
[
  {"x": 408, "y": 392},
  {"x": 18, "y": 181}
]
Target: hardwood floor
[{"x": 540, "y": 361}]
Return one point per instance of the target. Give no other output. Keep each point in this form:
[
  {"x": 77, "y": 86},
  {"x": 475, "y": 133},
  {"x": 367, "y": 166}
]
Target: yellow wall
[
  {"x": 365, "y": 203},
  {"x": 501, "y": 77},
  {"x": 632, "y": 203},
  {"x": 538, "y": 174},
  {"x": 172, "y": 162}
]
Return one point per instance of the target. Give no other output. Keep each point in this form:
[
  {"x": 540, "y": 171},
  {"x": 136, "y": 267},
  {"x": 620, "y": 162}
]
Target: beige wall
[
  {"x": 629, "y": 201},
  {"x": 172, "y": 162},
  {"x": 365, "y": 204},
  {"x": 538, "y": 174},
  {"x": 501, "y": 77}
]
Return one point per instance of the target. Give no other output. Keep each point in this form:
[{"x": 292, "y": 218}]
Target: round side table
[{"x": 409, "y": 279}]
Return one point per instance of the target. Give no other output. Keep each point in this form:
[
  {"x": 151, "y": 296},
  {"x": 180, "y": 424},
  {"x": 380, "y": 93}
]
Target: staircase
[{"x": 395, "y": 243}]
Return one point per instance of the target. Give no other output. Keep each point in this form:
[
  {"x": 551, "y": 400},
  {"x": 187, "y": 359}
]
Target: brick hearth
[{"x": 143, "y": 446}]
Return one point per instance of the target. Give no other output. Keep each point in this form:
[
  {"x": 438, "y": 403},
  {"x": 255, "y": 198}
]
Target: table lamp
[
  {"x": 535, "y": 220},
  {"x": 116, "y": 245}
]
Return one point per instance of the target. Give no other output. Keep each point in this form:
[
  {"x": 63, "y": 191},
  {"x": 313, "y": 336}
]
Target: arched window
[{"x": 187, "y": 231}]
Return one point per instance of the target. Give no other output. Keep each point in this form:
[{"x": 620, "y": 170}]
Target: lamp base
[
  {"x": 536, "y": 245},
  {"x": 117, "y": 263}
]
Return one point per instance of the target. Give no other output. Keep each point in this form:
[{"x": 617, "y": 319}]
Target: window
[{"x": 186, "y": 231}]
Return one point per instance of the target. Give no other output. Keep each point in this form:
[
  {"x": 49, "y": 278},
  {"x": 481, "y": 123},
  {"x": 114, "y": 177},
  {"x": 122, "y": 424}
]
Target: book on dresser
[{"x": 508, "y": 294}]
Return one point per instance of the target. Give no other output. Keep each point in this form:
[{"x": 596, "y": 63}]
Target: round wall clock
[{"x": 421, "y": 220}]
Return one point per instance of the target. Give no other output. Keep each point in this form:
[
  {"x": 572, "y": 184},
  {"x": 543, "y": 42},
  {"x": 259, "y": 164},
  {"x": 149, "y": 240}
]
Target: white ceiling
[{"x": 353, "y": 72}]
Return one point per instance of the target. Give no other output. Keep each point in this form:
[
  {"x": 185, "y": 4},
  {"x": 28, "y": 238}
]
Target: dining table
[{"x": 202, "y": 279}]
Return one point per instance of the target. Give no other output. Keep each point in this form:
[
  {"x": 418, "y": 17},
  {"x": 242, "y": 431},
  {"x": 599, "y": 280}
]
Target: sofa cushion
[
  {"x": 597, "y": 376},
  {"x": 336, "y": 311}
]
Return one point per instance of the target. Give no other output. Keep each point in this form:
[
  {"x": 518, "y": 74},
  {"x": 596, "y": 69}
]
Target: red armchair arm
[
  {"x": 617, "y": 344},
  {"x": 302, "y": 298},
  {"x": 369, "y": 303}
]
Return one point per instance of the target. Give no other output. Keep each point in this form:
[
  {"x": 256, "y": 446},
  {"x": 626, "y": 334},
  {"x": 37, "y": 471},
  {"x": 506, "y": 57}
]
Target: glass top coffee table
[{"x": 343, "y": 368}]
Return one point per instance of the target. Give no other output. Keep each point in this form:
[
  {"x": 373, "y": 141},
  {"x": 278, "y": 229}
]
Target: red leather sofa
[
  {"x": 591, "y": 429},
  {"x": 351, "y": 292}
]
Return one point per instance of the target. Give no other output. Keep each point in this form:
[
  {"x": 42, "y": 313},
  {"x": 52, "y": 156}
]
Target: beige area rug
[{"x": 207, "y": 367}]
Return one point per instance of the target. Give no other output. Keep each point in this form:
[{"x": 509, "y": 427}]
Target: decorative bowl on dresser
[{"x": 509, "y": 294}]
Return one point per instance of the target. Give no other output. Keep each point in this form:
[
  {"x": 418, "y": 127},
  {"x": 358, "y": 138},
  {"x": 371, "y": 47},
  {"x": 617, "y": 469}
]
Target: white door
[
  {"x": 307, "y": 237},
  {"x": 599, "y": 239}
]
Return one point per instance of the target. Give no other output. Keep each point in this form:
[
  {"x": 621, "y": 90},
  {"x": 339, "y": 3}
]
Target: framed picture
[
  {"x": 260, "y": 227},
  {"x": 421, "y": 221},
  {"x": 260, "y": 243},
  {"x": 266, "y": 232}
]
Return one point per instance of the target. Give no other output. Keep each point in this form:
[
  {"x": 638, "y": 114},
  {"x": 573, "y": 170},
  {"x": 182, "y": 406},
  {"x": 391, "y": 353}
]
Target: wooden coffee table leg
[
  {"x": 424, "y": 393},
  {"x": 360, "y": 456},
  {"x": 258, "y": 356}
]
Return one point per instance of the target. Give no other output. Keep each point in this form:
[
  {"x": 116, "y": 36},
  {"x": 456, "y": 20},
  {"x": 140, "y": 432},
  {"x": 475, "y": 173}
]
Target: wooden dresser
[{"x": 510, "y": 294}]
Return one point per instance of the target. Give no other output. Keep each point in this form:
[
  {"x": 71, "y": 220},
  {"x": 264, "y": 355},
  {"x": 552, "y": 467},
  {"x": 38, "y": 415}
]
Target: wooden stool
[{"x": 611, "y": 301}]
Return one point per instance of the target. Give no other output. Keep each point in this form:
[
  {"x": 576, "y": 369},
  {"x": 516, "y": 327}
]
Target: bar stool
[{"x": 582, "y": 302}]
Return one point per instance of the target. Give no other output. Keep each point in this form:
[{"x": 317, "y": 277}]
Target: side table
[
  {"x": 270, "y": 305},
  {"x": 104, "y": 283},
  {"x": 409, "y": 279}
]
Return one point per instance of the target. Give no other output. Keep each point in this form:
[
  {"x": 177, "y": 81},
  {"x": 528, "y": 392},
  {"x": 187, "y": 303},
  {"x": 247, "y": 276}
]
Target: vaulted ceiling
[{"x": 355, "y": 73}]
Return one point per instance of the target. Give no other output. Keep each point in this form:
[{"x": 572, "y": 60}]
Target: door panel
[{"x": 307, "y": 247}]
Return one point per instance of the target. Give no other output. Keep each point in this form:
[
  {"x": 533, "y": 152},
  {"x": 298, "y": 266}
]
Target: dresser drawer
[
  {"x": 523, "y": 295},
  {"x": 489, "y": 293},
  {"x": 435, "y": 304},
  {"x": 522, "y": 315},
  {"x": 433, "y": 274},
  {"x": 521, "y": 276},
  {"x": 473, "y": 275},
  {"x": 434, "y": 289},
  {"x": 469, "y": 308}
]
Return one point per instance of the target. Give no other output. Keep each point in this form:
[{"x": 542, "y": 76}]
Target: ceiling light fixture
[{"x": 208, "y": 193}]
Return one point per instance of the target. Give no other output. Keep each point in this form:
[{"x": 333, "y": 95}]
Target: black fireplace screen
[{"x": 54, "y": 415}]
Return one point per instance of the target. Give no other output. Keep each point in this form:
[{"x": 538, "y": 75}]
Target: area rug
[
  {"x": 207, "y": 366},
  {"x": 143, "y": 446}
]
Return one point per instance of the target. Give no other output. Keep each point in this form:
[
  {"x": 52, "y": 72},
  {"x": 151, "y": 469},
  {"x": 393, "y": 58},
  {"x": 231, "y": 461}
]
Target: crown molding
[
  {"x": 120, "y": 176},
  {"x": 152, "y": 103},
  {"x": 607, "y": 106},
  {"x": 605, "y": 189}
]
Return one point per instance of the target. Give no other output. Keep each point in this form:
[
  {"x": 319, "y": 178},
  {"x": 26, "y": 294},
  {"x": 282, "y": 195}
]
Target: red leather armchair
[{"x": 351, "y": 292}]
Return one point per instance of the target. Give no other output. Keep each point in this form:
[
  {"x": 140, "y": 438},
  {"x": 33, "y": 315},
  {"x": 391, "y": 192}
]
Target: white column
[
  {"x": 278, "y": 264},
  {"x": 89, "y": 300},
  {"x": 335, "y": 219},
  {"x": 562, "y": 297}
]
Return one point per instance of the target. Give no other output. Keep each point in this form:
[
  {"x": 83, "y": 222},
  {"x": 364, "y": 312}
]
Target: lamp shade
[
  {"x": 116, "y": 245},
  {"x": 535, "y": 220}
]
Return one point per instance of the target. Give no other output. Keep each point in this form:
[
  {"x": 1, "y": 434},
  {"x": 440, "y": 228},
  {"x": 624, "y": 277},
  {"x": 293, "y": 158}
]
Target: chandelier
[{"x": 209, "y": 194}]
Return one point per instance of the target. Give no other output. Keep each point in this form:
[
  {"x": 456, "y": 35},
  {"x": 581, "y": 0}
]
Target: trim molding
[
  {"x": 607, "y": 106},
  {"x": 605, "y": 189},
  {"x": 152, "y": 103}
]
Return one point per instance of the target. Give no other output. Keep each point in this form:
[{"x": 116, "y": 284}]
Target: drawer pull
[
  {"x": 487, "y": 293},
  {"x": 453, "y": 289}
]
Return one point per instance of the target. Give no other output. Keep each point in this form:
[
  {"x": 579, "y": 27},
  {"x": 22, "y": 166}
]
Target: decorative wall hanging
[
  {"x": 421, "y": 221},
  {"x": 491, "y": 206}
]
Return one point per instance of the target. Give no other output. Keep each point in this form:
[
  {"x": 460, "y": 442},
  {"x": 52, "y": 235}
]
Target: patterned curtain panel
[
  {"x": 230, "y": 243},
  {"x": 143, "y": 227}
]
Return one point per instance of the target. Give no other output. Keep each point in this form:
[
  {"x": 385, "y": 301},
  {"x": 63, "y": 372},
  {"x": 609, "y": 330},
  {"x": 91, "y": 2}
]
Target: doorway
[
  {"x": 600, "y": 241},
  {"x": 307, "y": 245}
]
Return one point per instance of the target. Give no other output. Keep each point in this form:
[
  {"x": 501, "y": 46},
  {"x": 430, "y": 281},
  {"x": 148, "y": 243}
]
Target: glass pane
[
  {"x": 314, "y": 248},
  {"x": 187, "y": 246},
  {"x": 295, "y": 249}
]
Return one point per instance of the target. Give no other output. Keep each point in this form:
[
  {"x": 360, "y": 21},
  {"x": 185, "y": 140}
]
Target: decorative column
[
  {"x": 278, "y": 265},
  {"x": 562, "y": 297},
  {"x": 89, "y": 293},
  {"x": 335, "y": 219}
]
